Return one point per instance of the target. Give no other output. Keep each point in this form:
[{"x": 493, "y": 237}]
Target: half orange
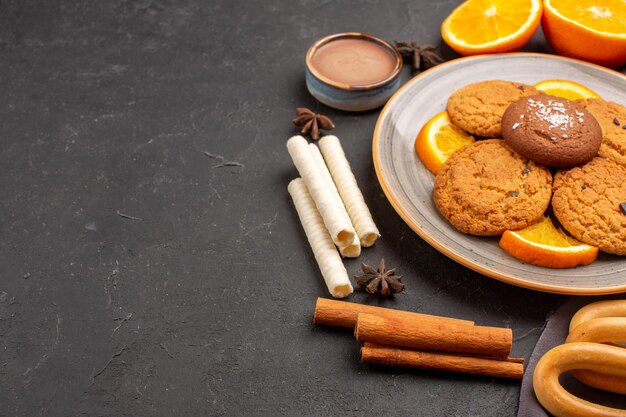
[
  {"x": 543, "y": 244},
  {"x": 592, "y": 30},
  {"x": 439, "y": 139},
  {"x": 491, "y": 26}
]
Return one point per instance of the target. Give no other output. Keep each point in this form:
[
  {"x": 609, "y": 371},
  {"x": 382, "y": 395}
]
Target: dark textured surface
[{"x": 141, "y": 277}]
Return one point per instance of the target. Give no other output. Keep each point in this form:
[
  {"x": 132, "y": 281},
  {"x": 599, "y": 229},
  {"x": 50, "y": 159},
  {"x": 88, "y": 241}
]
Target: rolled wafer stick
[
  {"x": 337, "y": 222},
  {"x": 349, "y": 191},
  {"x": 353, "y": 249},
  {"x": 440, "y": 361},
  {"x": 416, "y": 334},
  {"x": 344, "y": 314},
  {"x": 326, "y": 255}
]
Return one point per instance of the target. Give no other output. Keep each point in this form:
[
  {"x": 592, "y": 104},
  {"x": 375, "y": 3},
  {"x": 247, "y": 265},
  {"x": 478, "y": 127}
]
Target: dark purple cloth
[{"x": 555, "y": 333}]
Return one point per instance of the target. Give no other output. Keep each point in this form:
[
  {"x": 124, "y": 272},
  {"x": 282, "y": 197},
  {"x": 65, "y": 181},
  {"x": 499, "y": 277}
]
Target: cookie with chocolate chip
[
  {"x": 486, "y": 188},
  {"x": 612, "y": 119},
  {"x": 478, "y": 108},
  {"x": 590, "y": 203}
]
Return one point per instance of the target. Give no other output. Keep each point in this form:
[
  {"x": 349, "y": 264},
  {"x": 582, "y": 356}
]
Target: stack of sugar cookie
[
  {"x": 505, "y": 181},
  {"x": 331, "y": 208}
]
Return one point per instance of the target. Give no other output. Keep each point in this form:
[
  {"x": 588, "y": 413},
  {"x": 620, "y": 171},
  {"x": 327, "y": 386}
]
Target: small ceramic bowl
[{"x": 352, "y": 97}]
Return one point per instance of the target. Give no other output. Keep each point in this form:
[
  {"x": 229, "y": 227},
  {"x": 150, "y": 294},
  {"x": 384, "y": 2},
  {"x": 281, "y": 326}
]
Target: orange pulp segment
[
  {"x": 567, "y": 89},
  {"x": 438, "y": 139},
  {"x": 491, "y": 26},
  {"x": 608, "y": 16},
  {"x": 544, "y": 245},
  {"x": 592, "y": 30}
]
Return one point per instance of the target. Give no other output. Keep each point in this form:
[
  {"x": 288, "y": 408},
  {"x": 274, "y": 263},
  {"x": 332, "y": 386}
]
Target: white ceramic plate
[{"x": 408, "y": 185}]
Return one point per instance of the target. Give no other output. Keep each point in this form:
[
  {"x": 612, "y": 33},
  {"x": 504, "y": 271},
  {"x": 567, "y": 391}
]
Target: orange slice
[
  {"x": 439, "y": 139},
  {"x": 593, "y": 30},
  {"x": 491, "y": 26},
  {"x": 567, "y": 89},
  {"x": 543, "y": 244}
]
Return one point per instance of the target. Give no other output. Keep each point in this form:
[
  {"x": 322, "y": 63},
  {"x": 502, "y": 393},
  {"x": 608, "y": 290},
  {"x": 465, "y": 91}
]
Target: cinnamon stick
[
  {"x": 385, "y": 355},
  {"x": 433, "y": 335},
  {"x": 344, "y": 314}
]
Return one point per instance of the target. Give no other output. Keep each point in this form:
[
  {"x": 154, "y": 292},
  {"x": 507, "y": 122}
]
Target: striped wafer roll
[
  {"x": 349, "y": 191},
  {"x": 353, "y": 249},
  {"x": 337, "y": 222},
  {"x": 326, "y": 255}
]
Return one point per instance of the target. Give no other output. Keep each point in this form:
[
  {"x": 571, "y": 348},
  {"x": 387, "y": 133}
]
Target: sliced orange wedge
[
  {"x": 565, "y": 88},
  {"x": 593, "y": 30},
  {"x": 491, "y": 26},
  {"x": 439, "y": 139},
  {"x": 543, "y": 244}
]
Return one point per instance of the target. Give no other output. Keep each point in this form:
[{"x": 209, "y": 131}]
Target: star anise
[
  {"x": 382, "y": 281},
  {"x": 312, "y": 122},
  {"x": 421, "y": 57}
]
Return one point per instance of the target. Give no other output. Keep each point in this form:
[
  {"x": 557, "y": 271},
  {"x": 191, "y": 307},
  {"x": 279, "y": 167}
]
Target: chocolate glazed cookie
[
  {"x": 486, "y": 188},
  {"x": 551, "y": 131}
]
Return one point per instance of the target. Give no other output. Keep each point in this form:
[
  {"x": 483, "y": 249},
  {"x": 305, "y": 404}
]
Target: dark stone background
[{"x": 138, "y": 278}]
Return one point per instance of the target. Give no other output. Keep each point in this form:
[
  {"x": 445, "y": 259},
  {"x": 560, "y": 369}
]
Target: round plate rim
[{"x": 489, "y": 272}]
